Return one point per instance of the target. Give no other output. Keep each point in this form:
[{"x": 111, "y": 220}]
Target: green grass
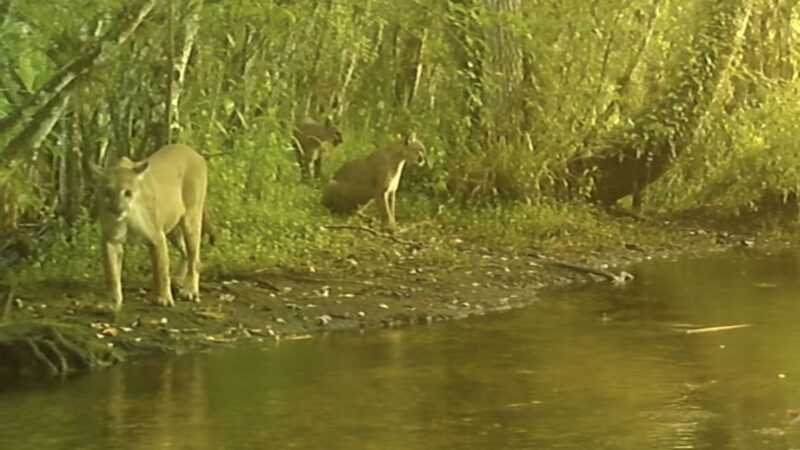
[{"x": 283, "y": 226}]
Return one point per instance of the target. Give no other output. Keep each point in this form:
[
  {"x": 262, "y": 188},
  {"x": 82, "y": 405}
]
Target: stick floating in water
[{"x": 719, "y": 328}]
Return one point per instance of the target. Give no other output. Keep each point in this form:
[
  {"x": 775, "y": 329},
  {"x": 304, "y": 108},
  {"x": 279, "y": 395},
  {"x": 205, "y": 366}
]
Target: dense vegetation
[{"x": 531, "y": 109}]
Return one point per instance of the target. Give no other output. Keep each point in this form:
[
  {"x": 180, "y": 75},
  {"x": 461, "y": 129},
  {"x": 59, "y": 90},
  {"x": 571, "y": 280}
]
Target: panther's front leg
[
  {"x": 112, "y": 265},
  {"x": 159, "y": 255}
]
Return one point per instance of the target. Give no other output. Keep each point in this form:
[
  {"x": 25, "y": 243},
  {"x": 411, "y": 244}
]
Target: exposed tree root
[
  {"x": 50, "y": 351},
  {"x": 56, "y": 356},
  {"x": 40, "y": 358}
]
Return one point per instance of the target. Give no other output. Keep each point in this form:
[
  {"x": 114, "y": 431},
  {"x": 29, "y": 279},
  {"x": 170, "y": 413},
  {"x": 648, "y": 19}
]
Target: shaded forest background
[{"x": 539, "y": 106}]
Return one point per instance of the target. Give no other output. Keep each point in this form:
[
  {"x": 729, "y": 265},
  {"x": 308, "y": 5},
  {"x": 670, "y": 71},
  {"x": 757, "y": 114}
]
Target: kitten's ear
[
  {"x": 411, "y": 137},
  {"x": 140, "y": 168}
]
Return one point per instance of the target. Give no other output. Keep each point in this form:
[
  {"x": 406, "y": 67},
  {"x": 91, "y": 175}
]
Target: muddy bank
[{"x": 59, "y": 328}]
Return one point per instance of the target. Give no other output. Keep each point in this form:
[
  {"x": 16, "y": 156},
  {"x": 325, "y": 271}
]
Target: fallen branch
[
  {"x": 254, "y": 279},
  {"x": 291, "y": 276},
  {"x": 266, "y": 285},
  {"x": 719, "y": 328},
  {"x": 618, "y": 279},
  {"x": 374, "y": 233}
]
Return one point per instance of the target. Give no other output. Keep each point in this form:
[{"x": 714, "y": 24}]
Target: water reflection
[
  {"x": 591, "y": 367},
  {"x": 143, "y": 404}
]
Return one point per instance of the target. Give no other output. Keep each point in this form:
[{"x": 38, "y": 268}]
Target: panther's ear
[
  {"x": 411, "y": 137},
  {"x": 140, "y": 168}
]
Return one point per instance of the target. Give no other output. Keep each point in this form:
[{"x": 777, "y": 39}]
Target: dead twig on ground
[
  {"x": 291, "y": 276},
  {"x": 374, "y": 233},
  {"x": 718, "y": 328}
]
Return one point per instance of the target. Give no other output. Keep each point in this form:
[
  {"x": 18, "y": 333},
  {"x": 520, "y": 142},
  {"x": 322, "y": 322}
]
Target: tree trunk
[
  {"x": 623, "y": 83},
  {"x": 504, "y": 73},
  {"x": 784, "y": 37},
  {"x": 236, "y": 78},
  {"x": 70, "y": 189},
  {"x": 469, "y": 48},
  {"x": 339, "y": 101},
  {"x": 321, "y": 27},
  {"x": 9, "y": 211},
  {"x": 409, "y": 70},
  {"x": 636, "y": 155},
  {"x": 168, "y": 112},
  {"x": 178, "y": 66}
]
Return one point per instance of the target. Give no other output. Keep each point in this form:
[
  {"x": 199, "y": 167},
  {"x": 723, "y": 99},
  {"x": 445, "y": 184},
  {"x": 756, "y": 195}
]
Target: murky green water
[{"x": 594, "y": 367}]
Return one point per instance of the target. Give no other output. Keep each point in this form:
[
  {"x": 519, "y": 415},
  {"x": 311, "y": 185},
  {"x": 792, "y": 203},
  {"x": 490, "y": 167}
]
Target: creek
[{"x": 587, "y": 367}]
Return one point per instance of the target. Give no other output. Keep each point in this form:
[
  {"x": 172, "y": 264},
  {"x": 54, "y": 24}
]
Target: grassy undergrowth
[
  {"x": 285, "y": 228},
  {"x": 270, "y": 220}
]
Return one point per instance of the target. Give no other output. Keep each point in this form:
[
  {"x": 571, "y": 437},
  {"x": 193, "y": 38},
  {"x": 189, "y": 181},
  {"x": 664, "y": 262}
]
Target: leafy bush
[{"x": 738, "y": 161}]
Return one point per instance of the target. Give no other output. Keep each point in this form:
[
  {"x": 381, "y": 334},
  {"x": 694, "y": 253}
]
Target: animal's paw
[
  {"x": 105, "y": 307},
  {"x": 190, "y": 296},
  {"x": 165, "y": 300}
]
